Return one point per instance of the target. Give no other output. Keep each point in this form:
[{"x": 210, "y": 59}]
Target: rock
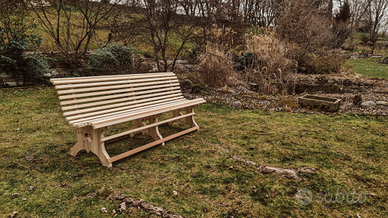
[
  {"x": 357, "y": 100},
  {"x": 138, "y": 56},
  {"x": 116, "y": 196},
  {"x": 181, "y": 62},
  {"x": 186, "y": 84},
  {"x": 192, "y": 67},
  {"x": 368, "y": 104},
  {"x": 122, "y": 207},
  {"x": 14, "y": 214},
  {"x": 322, "y": 103},
  {"x": 307, "y": 170},
  {"x": 146, "y": 66},
  {"x": 382, "y": 103},
  {"x": 175, "y": 192},
  {"x": 186, "y": 68},
  {"x": 91, "y": 195}
]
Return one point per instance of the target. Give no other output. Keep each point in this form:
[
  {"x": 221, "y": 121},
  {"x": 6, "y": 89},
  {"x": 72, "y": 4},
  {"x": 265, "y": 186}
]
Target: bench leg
[
  {"x": 139, "y": 123},
  {"x": 175, "y": 113},
  {"x": 90, "y": 140},
  {"x": 84, "y": 140},
  {"x": 190, "y": 120},
  {"x": 98, "y": 147},
  {"x": 154, "y": 131}
]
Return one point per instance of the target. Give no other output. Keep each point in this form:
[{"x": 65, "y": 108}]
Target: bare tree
[
  {"x": 72, "y": 23},
  {"x": 375, "y": 17},
  {"x": 158, "y": 22}
]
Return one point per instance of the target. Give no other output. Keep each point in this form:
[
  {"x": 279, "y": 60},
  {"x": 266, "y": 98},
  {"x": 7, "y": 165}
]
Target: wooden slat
[
  {"x": 61, "y": 81},
  {"x": 152, "y": 144},
  {"x": 145, "y": 127},
  {"x": 82, "y": 85},
  {"x": 73, "y": 118},
  {"x": 144, "y": 114},
  {"x": 99, "y": 88},
  {"x": 79, "y": 106},
  {"x": 69, "y": 113},
  {"x": 135, "y": 110},
  {"x": 83, "y": 100},
  {"x": 112, "y": 92},
  {"x": 125, "y": 110}
]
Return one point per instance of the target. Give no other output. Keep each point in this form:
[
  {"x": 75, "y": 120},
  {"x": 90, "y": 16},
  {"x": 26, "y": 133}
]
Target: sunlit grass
[
  {"x": 369, "y": 67},
  {"x": 349, "y": 152}
]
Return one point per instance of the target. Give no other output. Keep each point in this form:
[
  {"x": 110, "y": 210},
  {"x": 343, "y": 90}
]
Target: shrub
[
  {"x": 216, "y": 65},
  {"x": 14, "y": 60},
  {"x": 247, "y": 60},
  {"x": 113, "y": 56},
  {"x": 320, "y": 64},
  {"x": 384, "y": 60}
]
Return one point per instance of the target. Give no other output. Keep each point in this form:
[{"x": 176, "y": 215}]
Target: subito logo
[{"x": 304, "y": 196}]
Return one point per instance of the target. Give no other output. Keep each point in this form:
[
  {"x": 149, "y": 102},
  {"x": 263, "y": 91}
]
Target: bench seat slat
[
  {"x": 115, "y": 91},
  {"x": 99, "y": 88},
  {"x": 62, "y": 81},
  {"x": 118, "y": 82},
  {"x": 136, "y": 110},
  {"x": 83, "y": 100},
  {"x": 162, "y": 92},
  {"x": 164, "y": 99},
  {"x": 103, "y": 107},
  {"x": 146, "y": 114}
]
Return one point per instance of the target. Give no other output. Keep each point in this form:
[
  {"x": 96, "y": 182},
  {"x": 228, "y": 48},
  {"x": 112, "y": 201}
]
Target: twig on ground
[{"x": 288, "y": 173}]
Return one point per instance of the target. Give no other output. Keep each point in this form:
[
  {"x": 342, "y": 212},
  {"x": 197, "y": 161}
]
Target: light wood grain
[
  {"x": 93, "y": 104},
  {"x": 150, "y": 145}
]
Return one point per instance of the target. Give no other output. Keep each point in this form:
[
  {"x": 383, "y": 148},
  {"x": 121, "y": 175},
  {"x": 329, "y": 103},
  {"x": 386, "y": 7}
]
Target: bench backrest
[{"x": 83, "y": 97}]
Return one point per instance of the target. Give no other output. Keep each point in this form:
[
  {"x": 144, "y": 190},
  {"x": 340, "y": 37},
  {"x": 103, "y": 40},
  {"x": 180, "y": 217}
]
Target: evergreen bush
[
  {"x": 14, "y": 43},
  {"x": 114, "y": 55}
]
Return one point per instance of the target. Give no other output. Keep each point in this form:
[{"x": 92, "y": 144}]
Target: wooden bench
[{"x": 93, "y": 104}]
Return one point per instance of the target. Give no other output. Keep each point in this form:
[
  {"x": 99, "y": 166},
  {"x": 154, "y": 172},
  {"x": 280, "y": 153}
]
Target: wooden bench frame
[{"x": 156, "y": 93}]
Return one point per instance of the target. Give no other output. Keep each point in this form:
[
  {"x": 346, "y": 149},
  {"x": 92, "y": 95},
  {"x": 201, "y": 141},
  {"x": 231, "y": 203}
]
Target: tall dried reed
[
  {"x": 216, "y": 65},
  {"x": 275, "y": 73}
]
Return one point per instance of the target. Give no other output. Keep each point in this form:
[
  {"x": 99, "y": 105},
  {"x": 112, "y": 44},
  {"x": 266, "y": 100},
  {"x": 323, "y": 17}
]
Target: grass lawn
[
  {"x": 369, "y": 67},
  {"x": 349, "y": 152}
]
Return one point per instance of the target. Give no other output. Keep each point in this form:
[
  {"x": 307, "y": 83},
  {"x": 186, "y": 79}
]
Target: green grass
[
  {"x": 38, "y": 155},
  {"x": 369, "y": 67}
]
